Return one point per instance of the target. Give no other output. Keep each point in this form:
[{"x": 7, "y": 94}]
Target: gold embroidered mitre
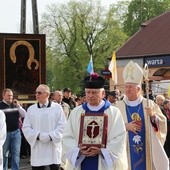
[{"x": 133, "y": 73}]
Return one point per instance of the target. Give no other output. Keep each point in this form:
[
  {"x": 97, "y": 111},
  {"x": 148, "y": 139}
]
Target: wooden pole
[
  {"x": 23, "y": 17},
  {"x": 35, "y": 17}
]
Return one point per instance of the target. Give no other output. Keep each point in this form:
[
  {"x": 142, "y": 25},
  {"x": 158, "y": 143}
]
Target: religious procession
[
  {"x": 100, "y": 131},
  {"x": 110, "y": 125}
]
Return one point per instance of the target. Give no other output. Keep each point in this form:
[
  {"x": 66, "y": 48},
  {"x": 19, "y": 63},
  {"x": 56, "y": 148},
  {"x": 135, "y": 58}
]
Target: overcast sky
[{"x": 10, "y": 13}]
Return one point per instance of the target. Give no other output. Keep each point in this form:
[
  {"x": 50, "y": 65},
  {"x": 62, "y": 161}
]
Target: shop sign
[{"x": 159, "y": 61}]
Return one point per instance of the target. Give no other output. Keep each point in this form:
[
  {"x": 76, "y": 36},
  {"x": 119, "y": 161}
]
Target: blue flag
[{"x": 90, "y": 66}]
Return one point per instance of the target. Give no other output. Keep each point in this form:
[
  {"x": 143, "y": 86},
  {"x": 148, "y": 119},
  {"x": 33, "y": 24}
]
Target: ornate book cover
[{"x": 93, "y": 130}]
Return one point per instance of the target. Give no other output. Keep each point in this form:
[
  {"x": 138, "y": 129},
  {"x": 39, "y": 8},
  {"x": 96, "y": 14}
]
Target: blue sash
[
  {"x": 137, "y": 141},
  {"x": 91, "y": 163}
]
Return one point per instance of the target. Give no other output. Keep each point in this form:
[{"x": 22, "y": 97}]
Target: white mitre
[{"x": 133, "y": 73}]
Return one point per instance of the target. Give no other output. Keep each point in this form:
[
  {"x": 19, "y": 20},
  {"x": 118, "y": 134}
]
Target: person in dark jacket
[
  {"x": 68, "y": 99},
  {"x": 13, "y": 111}
]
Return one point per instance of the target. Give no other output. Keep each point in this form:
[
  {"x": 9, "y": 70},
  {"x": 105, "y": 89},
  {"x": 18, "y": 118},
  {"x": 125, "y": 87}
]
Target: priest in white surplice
[
  {"x": 83, "y": 133},
  {"x": 43, "y": 128},
  {"x": 2, "y": 136},
  {"x": 145, "y": 124}
]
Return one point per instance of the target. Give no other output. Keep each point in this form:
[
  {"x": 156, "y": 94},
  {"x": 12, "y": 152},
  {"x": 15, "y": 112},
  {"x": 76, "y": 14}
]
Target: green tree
[
  {"x": 140, "y": 11},
  {"x": 75, "y": 31}
]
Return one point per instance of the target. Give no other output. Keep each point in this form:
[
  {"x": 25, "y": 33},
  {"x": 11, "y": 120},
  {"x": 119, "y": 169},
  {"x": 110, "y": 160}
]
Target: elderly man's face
[
  {"x": 132, "y": 91},
  {"x": 94, "y": 96},
  {"x": 41, "y": 94},
  {"x": 58, "y": 96},
  {"x": 8, "y": 96},
  {"x": 160, "y": 101}
]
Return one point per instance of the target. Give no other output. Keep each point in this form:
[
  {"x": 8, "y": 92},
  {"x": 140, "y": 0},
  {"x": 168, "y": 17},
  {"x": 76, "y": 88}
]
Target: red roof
[{"x": 152, "y": 39}]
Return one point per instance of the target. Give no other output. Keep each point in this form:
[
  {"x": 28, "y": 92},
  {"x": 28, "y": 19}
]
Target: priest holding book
[{"x": 94, "y": 138}]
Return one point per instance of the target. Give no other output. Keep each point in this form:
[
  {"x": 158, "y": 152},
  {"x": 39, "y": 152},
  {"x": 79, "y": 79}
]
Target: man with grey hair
[
  {"x": 58, "y": 97},
  {"x": 43, "y": 129},
  {"x": 159, "y": 100},
  {"x": 145, "y": 124},
  {"x": 94, "y": 138}
]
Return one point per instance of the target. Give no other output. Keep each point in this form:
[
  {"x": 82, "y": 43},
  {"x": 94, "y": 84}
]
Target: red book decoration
[{"x": 93, "y": 130}]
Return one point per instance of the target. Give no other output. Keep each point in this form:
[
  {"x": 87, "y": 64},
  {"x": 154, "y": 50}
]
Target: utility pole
[
  {"x": 23, "y": 17},
  {"x": 34, "y": 17}
]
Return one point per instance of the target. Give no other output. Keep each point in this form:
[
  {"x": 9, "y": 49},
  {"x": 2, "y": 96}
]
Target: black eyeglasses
[{"x": 39, "y": 92}]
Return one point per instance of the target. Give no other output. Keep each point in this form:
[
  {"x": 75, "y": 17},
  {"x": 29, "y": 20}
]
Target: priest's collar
[
  {"x": 47, "y": 104},
  {"x": 96, "y": 108},
  {"x": 104, "y": 104},
  {"x": 133, "y": 103}
]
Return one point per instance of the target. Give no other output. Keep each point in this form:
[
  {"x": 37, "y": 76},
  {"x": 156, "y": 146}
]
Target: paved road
[{"x": 24, "y": 164}]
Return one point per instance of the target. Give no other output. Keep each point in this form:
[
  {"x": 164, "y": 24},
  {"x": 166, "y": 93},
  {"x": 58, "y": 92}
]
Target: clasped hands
[
  {"x": 134, "y": 126},
  {"x": 89, "y": 151},
  {"x": 44, "y": 137}
]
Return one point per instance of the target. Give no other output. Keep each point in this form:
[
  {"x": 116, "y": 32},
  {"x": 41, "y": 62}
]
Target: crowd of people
[{"x": 96, "y": 131}]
